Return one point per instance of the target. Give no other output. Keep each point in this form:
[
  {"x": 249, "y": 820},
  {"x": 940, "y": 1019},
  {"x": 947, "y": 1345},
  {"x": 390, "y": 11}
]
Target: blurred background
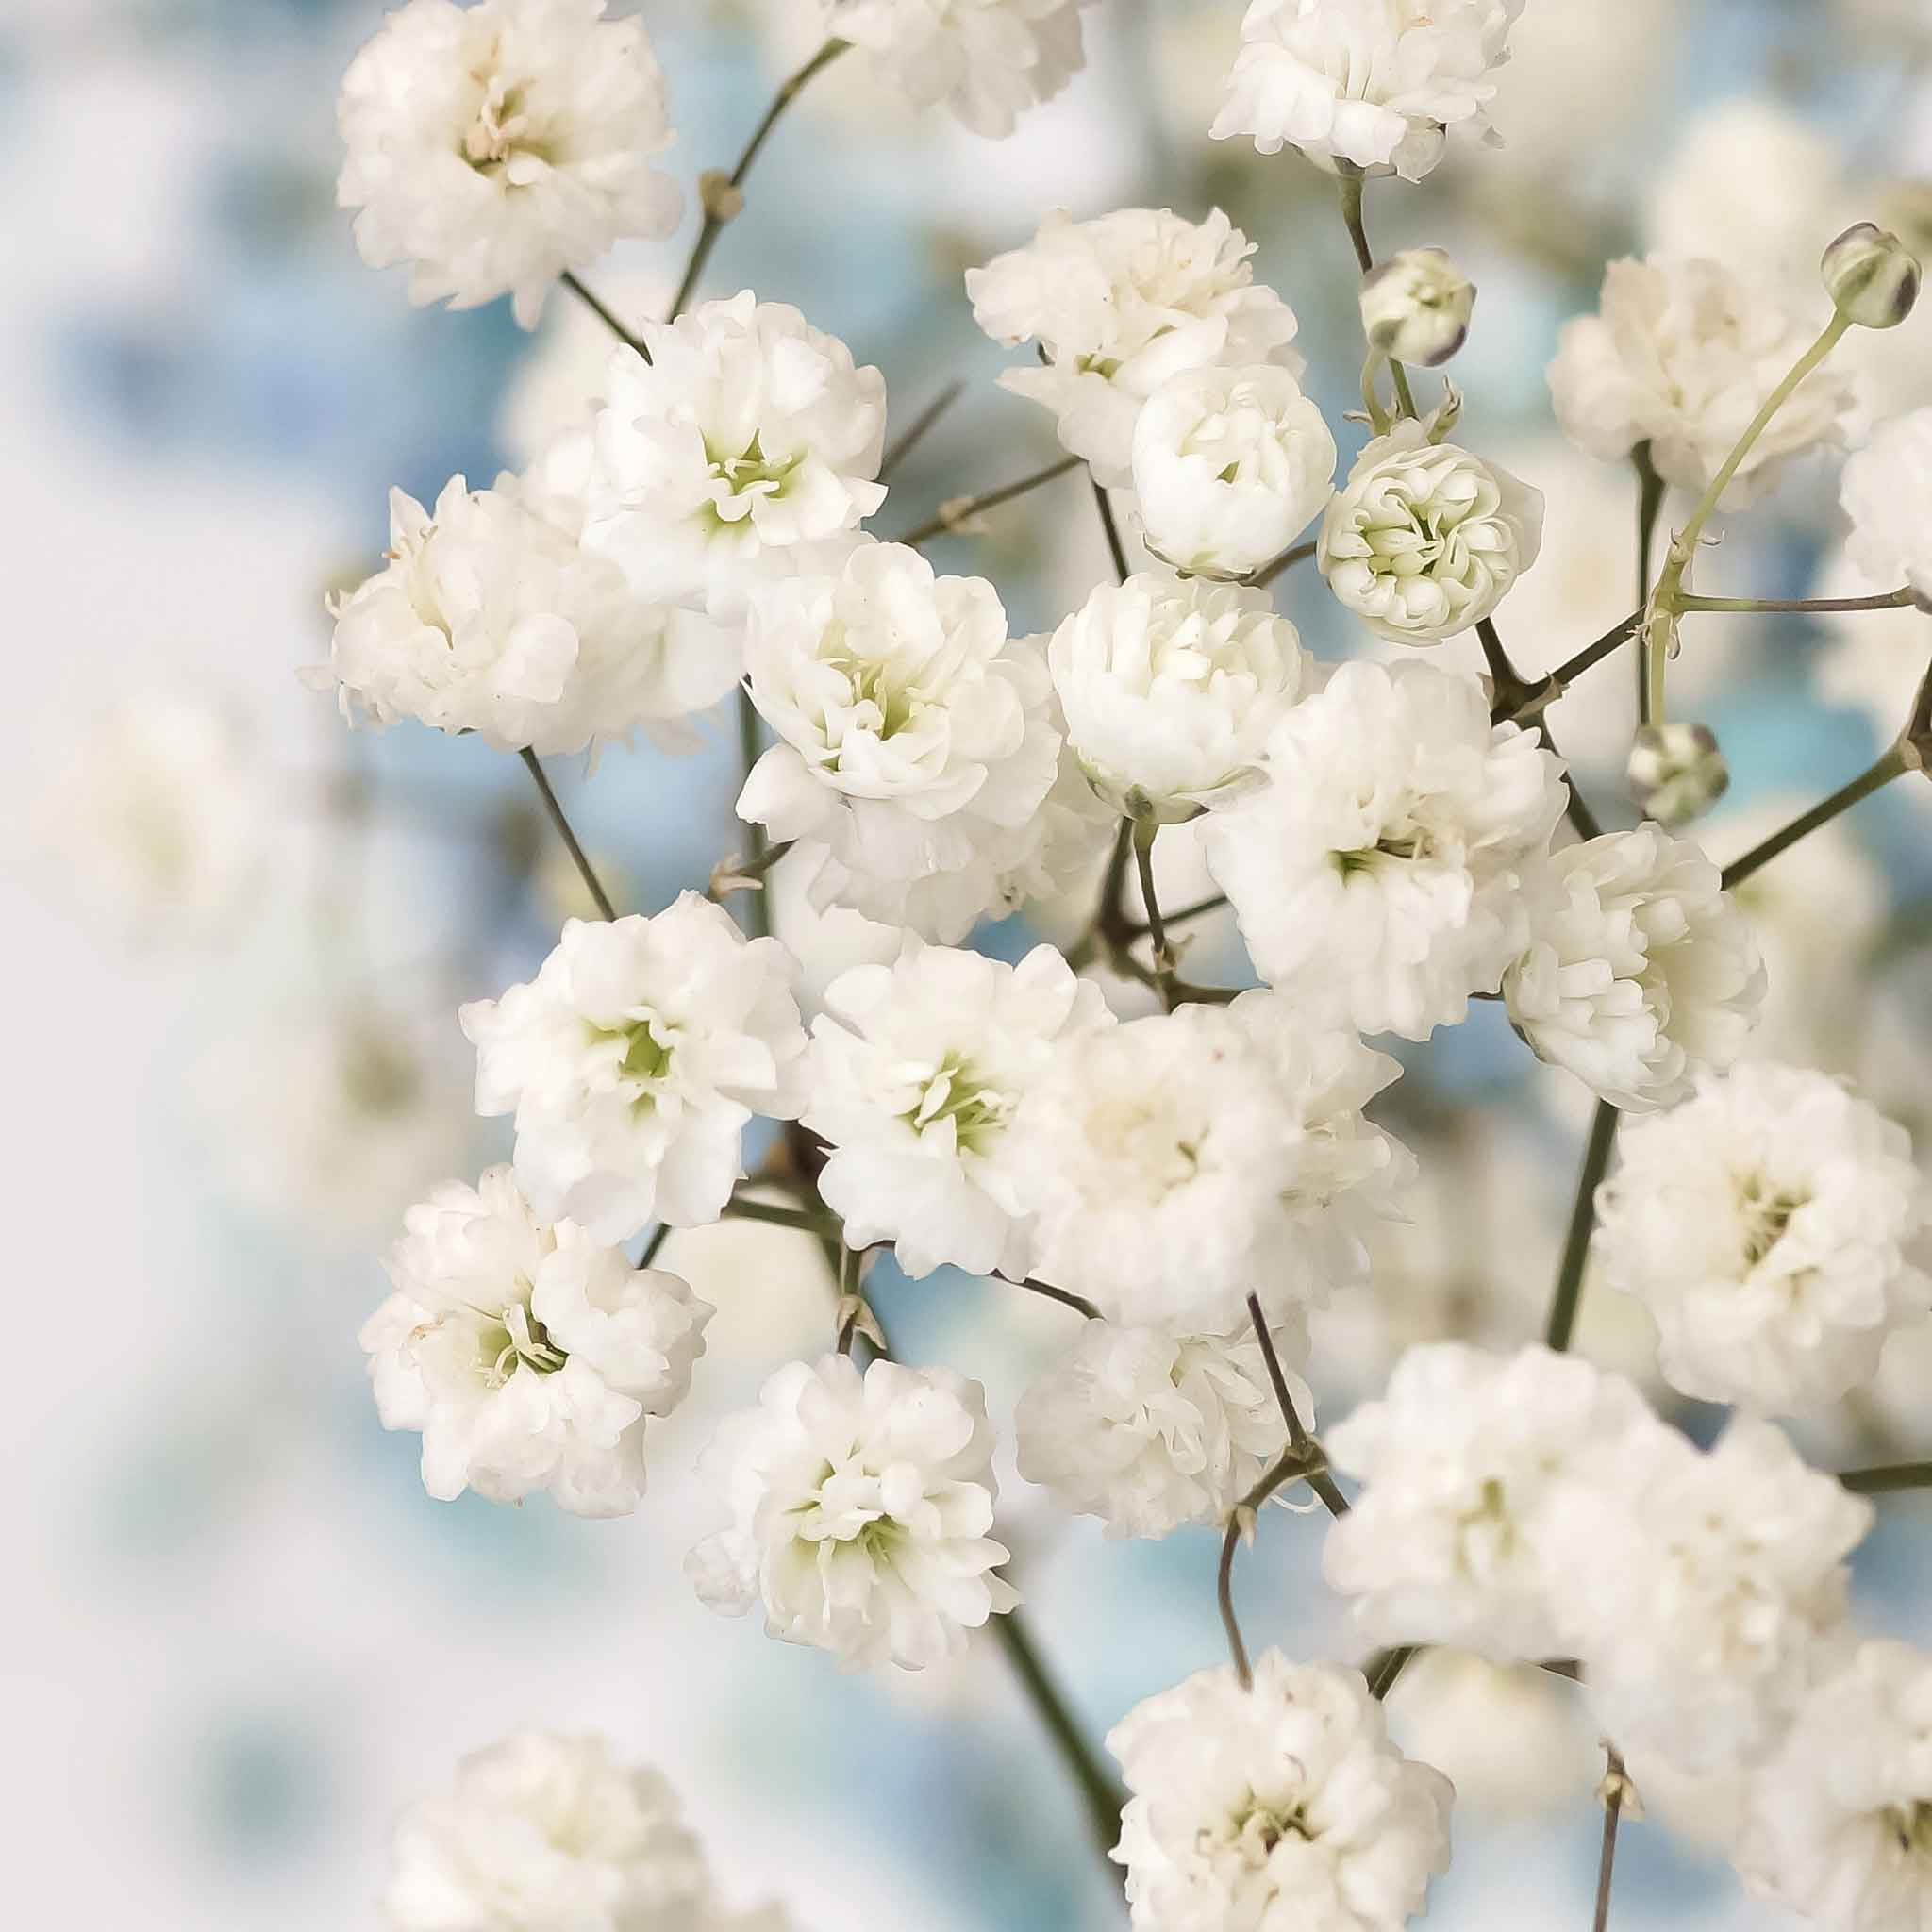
[{"x": 239, "y": 1637}]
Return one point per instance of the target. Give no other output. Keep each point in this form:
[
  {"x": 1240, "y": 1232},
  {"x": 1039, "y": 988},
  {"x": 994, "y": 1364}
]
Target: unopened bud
[
  {"x": 1872, "y": 277},
  {"x": 1676, "y": 772},
  {"x": 1416, "y": 307}
]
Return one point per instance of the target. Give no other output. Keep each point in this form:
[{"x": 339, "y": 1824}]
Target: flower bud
[
  {"x": 1676, "y": 772},
  {"x": 1872, "y": 277},
  {"x": 1416, "y": 307}
]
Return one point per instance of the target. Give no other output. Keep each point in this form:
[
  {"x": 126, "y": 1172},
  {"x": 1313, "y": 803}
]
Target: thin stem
[
  {"x": 1575, "y": 807},
  {"x": 1298, "y": 553},
  {"x": 585, "y": 869},
  {"x": 1105, "y": 1800},
  {"x": 741, "y": 1207},
  {"x": 1890, "y": 600},
  {"x": 1113, "y": 533},
  {"x": 952, "y": 514},
  {"x": 1066, "y": 1296},
  {"x": 604, "y": 314},
  {"x": 1297, "y": 1432},
  {"x": 1889, "y": 766},
  {"x": 1213, "y": 903},
  {"x": 757, "y": 908},
  {"x": 1350, "y": 182},
  {"x": 1292, "y": 1468},
  {"x": 1571, "y": 668},
  {"x": 1597, "y": 1161},
  {"x": 1508, "y": 689},
  {"x": 1888, "y": 1479},
  {"x": 1387, "y": 1665},
  {"x": 1650, "y": 503},
  {"x": 659, "y": 1235},
  {"x": 1144, "y": 830},
  {"x": 1512, "y": 696},
  {"x": 915, "y": 431},
  {"x": 850, "y": 1306},
  {"x": 714, "y": 222},
  {"x": 1613, "y": 1810}
]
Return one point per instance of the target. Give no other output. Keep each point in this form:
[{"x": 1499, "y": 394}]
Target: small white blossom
[
  {"x": 1184, "y": 1161},
  {"x": 988, "y": 60},
  {"x": 914, "y": 1073},
  {"x": 1839, "y": 1825},
  {"x": 1121, "y": 305},
  {"x": 1886, "y": 491},
  {"x": 493, "y": 146},
  {"x": 1376, "y": 876},
  {"x": 1374, "y": 83},
  {"x": 634, "y": 1060},
  {"x": 1682, "y": 355},
  {"x": 1416, "y": 307},
  {"x": 527, "y": 1354},
  {"x": 1148, "y": 1430},
  {"x": 748, "y": 437},
  {"x": 1230, "y": 466},
  {"x": 1423, "y": 540},
  {"x": 1481, "y": 1473},
  {"x": 860, "y": 1511},
  {"x": 1640, "y": 970},
  {"x": 1280, "y": 1809},
  {"x": 1765, "y": 1222},
  {"x": 1170, "y": 688}
]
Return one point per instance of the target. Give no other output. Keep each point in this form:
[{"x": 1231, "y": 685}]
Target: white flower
[
  {"x": 527, "y": 1354},
  {"x": 1280, "y": 1809},
  {"x": 1372, "y": 82},
  {"x": 748, "y": 435},
  {"x": 1682, "y": 355},
  {"x": 911, "y": 731},
  {"x": 1148, "y": 1430},
  {"x": 987, "y": 60},
  {"x": 1121, "y": 305},
  {"x": 1170, "y": 689},
  {"x": 1481, "y": 1473},
  {"x": 914, "y": 1073},
  {"x": 860, "y": 1511},
  {"x": 547, "y": 1833},
  {"x": 1423, "y": 540},
  {"x": 1839, "y": 1826},
  {"x": 1764, "y": 1223},
  {"x": 1640, "y": 970},
  {"x": 1886, "y": 491},
  {"x": 1702, "y": 1625},
  {"x": 1181, "y": 1163},
  {"x": 494, "y": 146},
  {"x": 1229, "y": 467},
  {"x": 1376, "y": 876},
  {"x": 634, "y": 1060}
]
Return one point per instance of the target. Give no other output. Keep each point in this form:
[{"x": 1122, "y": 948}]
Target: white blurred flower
[
  {"x": 860, "y": 1511},
  {"x": 1170, "y": 689},
  {"x": 633, "y": 1062},
  {"x": 1764, "y": 1223},
  {"x": 527, "y": 1354},
  {"x": 1839, "y": 1826},
  {"x": 1229, "y": 467},
  {"x": 1423, "y": 539},
  {"x": 748, "y": 437},
  {"x": 1120, "y": 305},
  {"x": 1283, "y": 1807},
  {"x": 1480, "y": 1474},
  {"x": 914, "y": 1073},
  {"x": 547, "y": 1833},
  {"x": 1181, "y": 1163},
  {"x": 988, "y": 60},
  {"x": 1374, "y": 83},
  {"x": 911, "y": 731},
  {"x": 1416, "y": 307},
  {"x": 1640, "y": 970},
  {"x": 1148, "y": 1430},
  {"x": 1886, "y": 491},
  {"x": 1377, "y": 874},
  {"x": 1703, "y": 1624},
  {"x": 1682, "y": 355},
  {"x": 493, "y": 146}
]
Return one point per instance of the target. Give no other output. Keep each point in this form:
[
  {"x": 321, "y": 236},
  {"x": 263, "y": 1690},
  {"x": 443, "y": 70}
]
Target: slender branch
[
  {"x": 715, "y": 217},
  {"x": 1889, "y": 600},
  {"x": 604, "y": 314},
  {"x": 1077, "y": 1302},
  {"x": 1144, "y": 830},
  {"x": 659, "y": 1235},
  {"x": 1888, "y": 1479},
  {"x": 1575, "y": 807},
  {"x": 1297, "y": 553},
  {"x": 1511, "y": 690},
  {"x": 1213, "y": 903},
  {"x": 586, "y": 871},
  {"x": 851, "y": 1307},
  {"x": 1113, "y": 533},
  {"x": 1349, "y": 180},
  {"x": 1387, "y": 1665},
  {"x": 742, "y": 1207},
  {"x": 1889, "y": 766},
  {"x": 1239, "y": 1522},
  {"x": 1613, "y": 1810},
  {"x": 1514, "y": 698},
  {"x": 1650, "y": 503},
  {"x": 1571, "y": 668},
  {"x": 915, "y": 431},
  {"x": 757, "y": 908},
  {"x": 1597, "y": 1161},
  {"x": 1297, "y": 1432},
  {"x": 954, "y": 514}
]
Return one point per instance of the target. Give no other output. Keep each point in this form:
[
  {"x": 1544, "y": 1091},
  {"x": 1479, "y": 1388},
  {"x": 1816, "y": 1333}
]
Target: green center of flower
[
  {"x": 977, "y": 1111},
  {"x": 1351, "y": 864},
  {"x": 872, "y": 688},
  {"x": 516, "y": 1340},
  {"x": 1912, "y": 1826},
  {"x": 750, "y": 471},
  {"x": 1255, "y": 1827},
  {"x": 1765, "y": 1213}
]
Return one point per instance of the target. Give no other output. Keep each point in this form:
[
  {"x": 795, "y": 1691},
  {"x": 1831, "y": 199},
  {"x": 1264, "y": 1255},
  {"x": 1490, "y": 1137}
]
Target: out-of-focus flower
[
  {"x": 1640, "y": 970},
  {"x": 1377, "y": 874},
  {"x": 493, "y": 146},
  {"x": 1886, "y": 491},
  {"x": 1230, "y": 465},
  {"x": 1277, "y": 1807},
  {"x": 1681, "y": 355},
  {"x": 634, "y": 1060},
  {"x": 1373, "y": 83},
  {"x": 860, "y": 1511},
  {"x": 1675, "y": 772},
  {"x": 1416, "y": 307},
  {"x": 1120, "y": 305}
]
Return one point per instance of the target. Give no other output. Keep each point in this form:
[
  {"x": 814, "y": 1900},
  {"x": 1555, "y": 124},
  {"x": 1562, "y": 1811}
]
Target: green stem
[
  {"x": 604, "y": 314},
  {"x": 1296, "y": 553},
  {"x": 757, "y": 908},
  {"x": 1349, "y": 179},
  {"x": 1144, "y": 831},
  {"x": 1650, "y": 503},
  {"x": 1597, "y": 1161},
  {"x": 1113, "y": 533},
  {"x": 1065, "y": 1296},
  {"x": 915, "y": 432},
  {"x": 586, "y": 871},
  {"x": 951, "y": 515},
  {"x": 1890, "y": 765},
  {"x": 1890, "y": 600},
  {"x": 1888, "y": 1480},
  {"x": 1613, "y": 1810},
  {"x": 740, "y": 1208}
]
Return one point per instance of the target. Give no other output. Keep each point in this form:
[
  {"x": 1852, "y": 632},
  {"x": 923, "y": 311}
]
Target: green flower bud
[
  {"x": 1676, "y": 772},
  {"x": 1872, "y": 277},
  {"x": 1416, "y": 307}
]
